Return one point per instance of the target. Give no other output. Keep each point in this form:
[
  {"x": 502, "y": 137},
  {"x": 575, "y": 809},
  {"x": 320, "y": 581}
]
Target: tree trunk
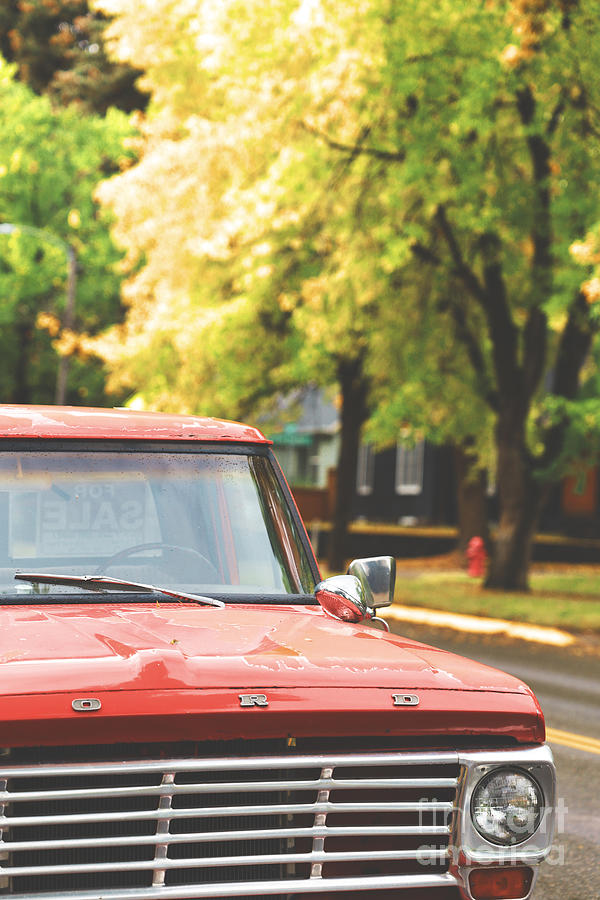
[
  {"x": 520, "y": 497},
  {"x": 24, "y": 335},
  {"x": 471, "y": 484},
  {"x": 353, "y": 387}
]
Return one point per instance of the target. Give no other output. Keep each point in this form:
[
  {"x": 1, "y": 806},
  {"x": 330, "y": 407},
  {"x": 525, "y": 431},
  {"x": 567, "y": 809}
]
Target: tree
[
  {"x": 424, "y": 388},
  {"x": 506, "y": 194},
  {"x": 59, "y": 49},
  {"x": 356, "y": 148},
  {"x": 248, "y": 279},
  {"x": 50, "y": 162},
  {"x": 493, "y": 143}
]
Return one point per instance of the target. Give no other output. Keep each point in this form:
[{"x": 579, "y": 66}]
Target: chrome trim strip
[
  {"x": 315, "y": 857},
  {"x": 253, "y": 763},
  {"x": 238, "y": 787},
  {"x": 4, "y": 883},
  {"x": 162, "y": 831},
  {"x": 218, "y": 836},
  {"x": 318, "y": 844},
  {"x": 212, "y": 812},
  {"x": 261, "y": 888}
]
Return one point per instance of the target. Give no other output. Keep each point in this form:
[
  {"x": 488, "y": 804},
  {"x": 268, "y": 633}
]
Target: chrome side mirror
[
  {"x": 345, "y": 597},
  {"x": 378, "y": 575}
]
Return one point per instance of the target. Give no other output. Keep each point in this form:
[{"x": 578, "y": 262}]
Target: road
[{"x": 567, "y": 684}]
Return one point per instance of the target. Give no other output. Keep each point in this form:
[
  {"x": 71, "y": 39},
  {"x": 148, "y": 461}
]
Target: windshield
[{"x": 197, "y": 521}]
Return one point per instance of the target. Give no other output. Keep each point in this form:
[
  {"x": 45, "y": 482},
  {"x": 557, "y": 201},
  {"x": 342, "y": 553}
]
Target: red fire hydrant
[{"x": 476, "y": 557}]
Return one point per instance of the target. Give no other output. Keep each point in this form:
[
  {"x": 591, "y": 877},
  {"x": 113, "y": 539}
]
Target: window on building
[
  {"x": 409, "y": 468},
  {"x": 365, "y": 469}
]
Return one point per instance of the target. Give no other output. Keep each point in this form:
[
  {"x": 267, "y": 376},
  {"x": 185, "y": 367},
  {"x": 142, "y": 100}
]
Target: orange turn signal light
[{"x": 501, "y": 884}]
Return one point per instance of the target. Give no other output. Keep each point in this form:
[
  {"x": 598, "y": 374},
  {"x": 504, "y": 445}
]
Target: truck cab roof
[{"x": 80, "y": 422}]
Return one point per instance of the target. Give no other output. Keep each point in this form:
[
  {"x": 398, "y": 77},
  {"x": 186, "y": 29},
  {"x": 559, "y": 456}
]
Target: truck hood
[
  {"x": 99, "y": 673},
  {"x": 91, "y": 648}
]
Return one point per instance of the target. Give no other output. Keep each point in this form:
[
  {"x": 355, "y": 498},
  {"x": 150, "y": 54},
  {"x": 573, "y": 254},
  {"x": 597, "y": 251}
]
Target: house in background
[
  {"x": 406, "y": 484},
  {"x": 402, "y": 485},
  {"x": 418, "y": 486},
  {"x": 307, "y": 445}
]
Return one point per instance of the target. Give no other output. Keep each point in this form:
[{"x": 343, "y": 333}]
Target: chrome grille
[{"x": 279, "y": 826}]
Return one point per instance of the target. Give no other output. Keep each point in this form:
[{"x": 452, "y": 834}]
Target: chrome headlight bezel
[
  {"x": 534, "y": 762},
  {"x": 518, "y": 835}
]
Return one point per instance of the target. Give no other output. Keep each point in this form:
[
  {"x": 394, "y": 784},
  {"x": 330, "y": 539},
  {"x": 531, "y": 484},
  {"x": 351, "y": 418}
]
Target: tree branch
[
  {"x": 539, "y": 152},
  {"x": 425, "y": 254},
  {"x": 463, "y": 333},
  {"x": 535, "y": 333},
  {"x": 464, "y": 272},
  {"x": 535, "y": 344},
  {"x": 555, "y": 117},
  {"x": 473, "y": 349},
  {"x": 491, "y": 296},
  {"x": 574, "y": 345},
  {"x": 356, "y": 149},
  {"x": 502, "y": 330}
]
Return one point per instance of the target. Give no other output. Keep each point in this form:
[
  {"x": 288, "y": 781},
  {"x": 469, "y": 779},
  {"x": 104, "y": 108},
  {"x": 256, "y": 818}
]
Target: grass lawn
[{"x": 563, "y": 599}]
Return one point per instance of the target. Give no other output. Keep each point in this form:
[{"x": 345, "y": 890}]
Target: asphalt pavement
[{"x": 567, "y": 684}]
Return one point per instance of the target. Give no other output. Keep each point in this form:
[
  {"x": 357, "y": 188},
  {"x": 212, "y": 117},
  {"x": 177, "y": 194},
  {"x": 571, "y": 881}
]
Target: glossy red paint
[
  {"x": 180, "y": 670},
  {"x": 111, "y": 424},
  {"x": 144, "y": 646},
  {"x": 176, "y": 672},
  {"x": 216, "y": 714}
]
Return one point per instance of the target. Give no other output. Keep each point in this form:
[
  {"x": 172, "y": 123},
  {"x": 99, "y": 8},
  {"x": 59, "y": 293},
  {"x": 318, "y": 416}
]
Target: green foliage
[
  {"x": 59, "y": 49},
  {"x": 556, "y": 600},
  {"x": 394, "y": 182},
  {"x": 498, "y": 141},
  {"x": 50, "y": 162},
  {"x": 582, "y": 445}
]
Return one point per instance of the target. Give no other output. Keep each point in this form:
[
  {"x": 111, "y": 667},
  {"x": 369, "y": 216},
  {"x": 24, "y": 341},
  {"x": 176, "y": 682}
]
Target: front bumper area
[{"x": 276, "y": 826}]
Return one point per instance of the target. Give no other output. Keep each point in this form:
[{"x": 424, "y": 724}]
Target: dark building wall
[{"x": 434, "y": 504}]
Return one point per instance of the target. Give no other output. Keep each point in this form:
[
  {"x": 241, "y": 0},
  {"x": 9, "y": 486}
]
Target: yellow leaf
[{"x": 74, "y": 218}]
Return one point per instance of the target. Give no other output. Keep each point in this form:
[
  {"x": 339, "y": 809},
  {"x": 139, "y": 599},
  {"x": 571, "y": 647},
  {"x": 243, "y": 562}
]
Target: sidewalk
[
  {"x": 552, "y": 634},
  {"x": 436, "y": 618}
]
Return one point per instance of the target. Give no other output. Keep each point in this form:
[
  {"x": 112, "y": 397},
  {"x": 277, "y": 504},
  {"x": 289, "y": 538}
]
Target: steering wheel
[{"x": 157, "y": 545}]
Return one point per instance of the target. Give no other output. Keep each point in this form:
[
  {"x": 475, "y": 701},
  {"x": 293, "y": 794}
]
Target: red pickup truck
[{"x": 188, "y": 711}]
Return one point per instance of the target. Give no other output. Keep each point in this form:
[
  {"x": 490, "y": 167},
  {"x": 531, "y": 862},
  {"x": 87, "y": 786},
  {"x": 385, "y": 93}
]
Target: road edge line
[{"x": 572, "y": 740}]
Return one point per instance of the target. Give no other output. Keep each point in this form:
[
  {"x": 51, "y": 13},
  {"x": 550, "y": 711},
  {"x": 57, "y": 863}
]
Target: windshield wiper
[{"x": 103, "y": 583}]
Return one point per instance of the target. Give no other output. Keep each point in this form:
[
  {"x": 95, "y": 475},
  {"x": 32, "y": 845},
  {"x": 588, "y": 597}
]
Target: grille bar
[
  {"x": 247, "y": 827},
  {"x": 263, "y": 888},
  {"x": 318, "y": 845},
  {"x": 246, "y": 764},
  {"x": 217, "y": 836},
  {"x": 203, "y": 812},
  {"x": 213, "y": 862},
  {"x": 237, "y": 787},
  {"x": 162, "y": 831}
]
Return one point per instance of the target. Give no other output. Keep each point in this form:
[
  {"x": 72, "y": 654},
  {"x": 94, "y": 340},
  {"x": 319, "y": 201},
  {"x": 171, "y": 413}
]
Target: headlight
[{"x": 506, "y": 806}]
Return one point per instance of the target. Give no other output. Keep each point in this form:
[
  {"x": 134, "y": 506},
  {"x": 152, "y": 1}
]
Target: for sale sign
[{"x": 95, "y": 518}]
